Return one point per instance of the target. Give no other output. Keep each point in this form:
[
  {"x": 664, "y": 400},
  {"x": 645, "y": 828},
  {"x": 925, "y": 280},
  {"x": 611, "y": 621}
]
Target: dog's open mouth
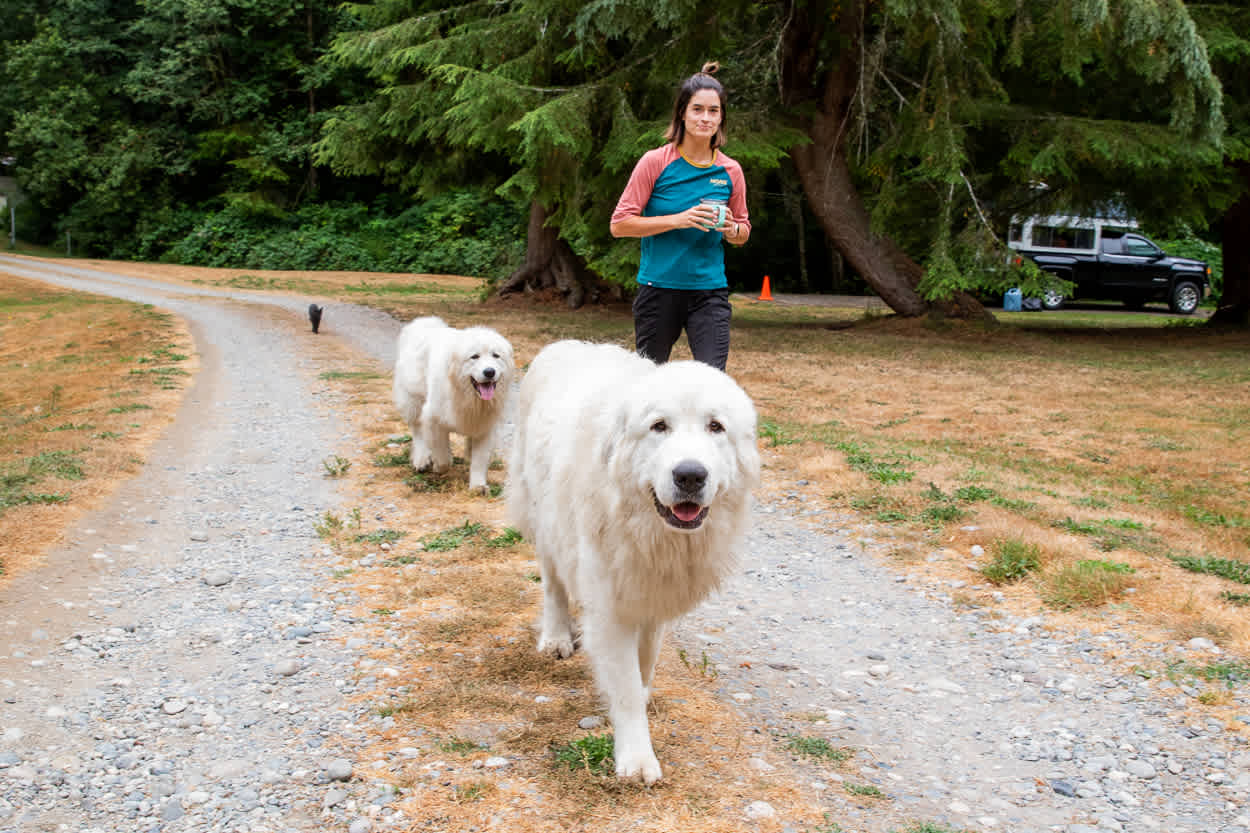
[
  {"x": 684, "y": 515},
  {"x": 486, "y": 390}
]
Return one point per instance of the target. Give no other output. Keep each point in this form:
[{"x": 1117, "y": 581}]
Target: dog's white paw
[
  {"x": 636, "y": 764},
  {"x": 560, "y": 647}
]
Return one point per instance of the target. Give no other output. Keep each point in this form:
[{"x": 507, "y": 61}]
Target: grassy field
[
  {"x": 1092, "y": 466},
  {"x": 86, "y": 383}
]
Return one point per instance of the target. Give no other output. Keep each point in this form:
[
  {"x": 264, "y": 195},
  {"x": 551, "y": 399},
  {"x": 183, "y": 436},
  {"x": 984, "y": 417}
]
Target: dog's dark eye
[
  {"x": 659, "y": 426},
  {"x": 715, "y": 427},
  {"x": 494, "y": 355},
  {"x": 476, "y": 356}
]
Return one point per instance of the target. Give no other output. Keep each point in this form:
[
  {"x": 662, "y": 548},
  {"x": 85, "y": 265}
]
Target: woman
[{"x": 681, "y": 277}]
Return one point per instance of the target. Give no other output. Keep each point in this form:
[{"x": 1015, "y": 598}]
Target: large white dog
[
  {"x": 452, "y": 380},
  {"x": 633, "y": 483}
]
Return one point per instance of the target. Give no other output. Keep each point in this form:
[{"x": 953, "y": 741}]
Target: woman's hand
[{"x": 700, "y": 216}]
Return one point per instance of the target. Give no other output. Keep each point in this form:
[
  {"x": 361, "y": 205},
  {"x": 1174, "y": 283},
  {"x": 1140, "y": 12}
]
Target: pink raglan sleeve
[
  {"x": 738, "y": 195},
  {"x": 638, "y": 189}
]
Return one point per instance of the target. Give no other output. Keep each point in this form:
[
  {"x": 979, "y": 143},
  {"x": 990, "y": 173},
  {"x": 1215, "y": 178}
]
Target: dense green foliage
[{"x": 416, "y": 134}]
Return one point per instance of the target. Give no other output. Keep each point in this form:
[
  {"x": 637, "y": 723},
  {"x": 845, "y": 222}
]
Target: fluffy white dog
[
  {"x": 452, "y": 380},
  {"x": 633, "y": 483}
]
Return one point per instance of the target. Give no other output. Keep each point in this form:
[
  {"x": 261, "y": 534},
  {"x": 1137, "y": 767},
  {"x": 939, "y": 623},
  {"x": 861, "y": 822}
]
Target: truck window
[
  {"x": 1063, "y": 237},
  {"x": 1139, "y": 246},
  {"x": 1112, "y": 246}
]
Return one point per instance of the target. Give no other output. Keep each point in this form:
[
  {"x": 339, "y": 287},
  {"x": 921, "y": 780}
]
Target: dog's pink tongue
[
  {"x": 687, "y": 511},
  {"x": 486, "y": 390}
]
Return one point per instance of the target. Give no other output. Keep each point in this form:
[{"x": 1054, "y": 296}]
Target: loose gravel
[{"x": 190, "y": 672}]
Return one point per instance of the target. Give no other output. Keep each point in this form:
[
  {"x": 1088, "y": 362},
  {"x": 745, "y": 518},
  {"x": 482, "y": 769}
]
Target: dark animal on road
[{"x": 314, "y": 315}]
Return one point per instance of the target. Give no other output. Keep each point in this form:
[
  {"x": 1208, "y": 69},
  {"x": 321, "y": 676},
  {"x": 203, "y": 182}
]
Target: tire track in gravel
[{"x": 966, "y": 717}]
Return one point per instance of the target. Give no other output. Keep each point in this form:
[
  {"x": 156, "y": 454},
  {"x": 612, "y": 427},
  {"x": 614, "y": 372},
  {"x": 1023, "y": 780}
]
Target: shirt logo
[{"x": 718, "y": 181}]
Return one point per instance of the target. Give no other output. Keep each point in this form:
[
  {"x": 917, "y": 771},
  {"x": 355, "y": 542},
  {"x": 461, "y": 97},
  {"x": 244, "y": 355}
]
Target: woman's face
[{"x": 703, "y": 115}]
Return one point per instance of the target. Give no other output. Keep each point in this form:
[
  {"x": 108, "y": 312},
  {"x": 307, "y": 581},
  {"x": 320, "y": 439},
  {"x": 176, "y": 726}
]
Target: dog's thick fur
[
  {"x": 449, "y": 380},
  {"x": 633, "y": 482}
]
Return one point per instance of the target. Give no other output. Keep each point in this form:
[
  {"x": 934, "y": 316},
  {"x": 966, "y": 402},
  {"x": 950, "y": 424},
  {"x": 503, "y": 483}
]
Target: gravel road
[{"x": 179, "y": 667}]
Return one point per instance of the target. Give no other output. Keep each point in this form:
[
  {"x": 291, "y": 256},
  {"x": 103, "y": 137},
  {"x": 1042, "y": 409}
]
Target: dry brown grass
[
  {"x": 464, "y": 683},
  {"x": 1090, "y": 443},
  {"x": 86, "y": 383}
]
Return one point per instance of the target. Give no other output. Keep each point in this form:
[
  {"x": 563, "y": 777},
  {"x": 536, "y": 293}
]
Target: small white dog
[
  {"x": 452, "y": 380},
  {"x": 633, "y": 482}
]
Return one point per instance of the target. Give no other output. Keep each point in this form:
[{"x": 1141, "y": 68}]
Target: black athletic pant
[{"x": 661, "y": 314}]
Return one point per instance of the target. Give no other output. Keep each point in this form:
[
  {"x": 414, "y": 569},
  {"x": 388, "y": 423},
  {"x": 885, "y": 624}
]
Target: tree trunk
[
  {"x": 1234, "y": 306},
  {"x": 823, "y": 167},
  {"x": 551, "y": 264},
  {"x": 835, "y": 202}
]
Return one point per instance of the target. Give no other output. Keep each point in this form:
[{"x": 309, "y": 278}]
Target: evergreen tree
[
  {"x": 901, "y": 116},
  {"x": 557, "y": 98},
  {"x": 1226, "y": 29}
]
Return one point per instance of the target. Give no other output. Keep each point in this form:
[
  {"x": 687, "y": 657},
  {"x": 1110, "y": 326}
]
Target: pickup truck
[{"x": 1108, "y": 259}]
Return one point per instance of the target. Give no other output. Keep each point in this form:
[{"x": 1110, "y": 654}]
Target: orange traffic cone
[{"x": 766, "y": 294}]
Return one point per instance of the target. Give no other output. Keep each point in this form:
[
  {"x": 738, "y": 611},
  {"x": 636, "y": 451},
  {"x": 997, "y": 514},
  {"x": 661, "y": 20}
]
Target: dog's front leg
[
  {"x": 614, "y": 650},
  {"x": 479, "y": 461},
  {"x": 437, "y": 439}
]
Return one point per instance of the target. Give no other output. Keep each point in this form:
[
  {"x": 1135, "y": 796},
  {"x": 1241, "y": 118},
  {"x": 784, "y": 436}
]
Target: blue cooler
[{"x": 1011, "y": 300}]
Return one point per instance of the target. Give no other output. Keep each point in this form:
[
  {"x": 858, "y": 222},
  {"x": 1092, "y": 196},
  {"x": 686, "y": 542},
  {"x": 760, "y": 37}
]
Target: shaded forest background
[{"x": 886, "y": 143}]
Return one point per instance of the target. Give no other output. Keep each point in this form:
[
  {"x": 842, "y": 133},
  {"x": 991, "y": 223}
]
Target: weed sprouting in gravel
[
  {"x": 865, "y": 790},
  {"x": 820, "y": 748},
  {"x": 380, "y": 536},
  {"x": 336, "y": 466}
]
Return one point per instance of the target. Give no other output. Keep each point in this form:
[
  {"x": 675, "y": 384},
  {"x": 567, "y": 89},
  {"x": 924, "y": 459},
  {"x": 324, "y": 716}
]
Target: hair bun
[{"x": 711, "y": 68}]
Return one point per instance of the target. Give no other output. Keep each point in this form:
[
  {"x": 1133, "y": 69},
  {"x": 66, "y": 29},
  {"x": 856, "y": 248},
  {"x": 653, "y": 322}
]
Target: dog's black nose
[
  {"x": 689, "y": 475},
  {"x": 489, "y": 372}
]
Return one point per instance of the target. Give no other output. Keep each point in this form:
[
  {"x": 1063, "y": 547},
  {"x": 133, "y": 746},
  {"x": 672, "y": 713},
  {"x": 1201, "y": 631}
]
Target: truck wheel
[
  {"x": 1052, "y": 300},
  {"x": 1185, "y": 297}
]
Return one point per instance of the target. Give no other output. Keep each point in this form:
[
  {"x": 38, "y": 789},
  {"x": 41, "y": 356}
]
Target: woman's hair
[{"x": 699, "y": 81}]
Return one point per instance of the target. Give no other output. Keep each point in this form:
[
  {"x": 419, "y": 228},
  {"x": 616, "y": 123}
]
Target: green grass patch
[
  {"x": 509, "y": 537},
  {"x": 1231, "y": 674},
  {"x": 1227, "y": 568},
  {"x": 776, "y": 434},
  {"x": 131, "y": 408},
  {"x": 403, "y": 289},
  {"x": 389, "y": 460},
  {"x": 450, "y": 539},
  {"x": 379, "y": 536},
  {"x": 429, "y": 482},
  {"x": 940, "y": 513},
  {"x": 1242, "y": 599},
  {"x": 336, "y": 466},
  {"x": 1021, "y": 507},
  {"x": 337, "y": 375},
  {"x": 974, "y": 494},
  {"x": 1112, "y": 533},
  {"x": 592, "y": 754},
  {"x": 1011, "y": 560},
  {"x": 1086, "y": 583},
  {"x": 74, "y": 426},
  {"x": 864, "y": 790},
  {"x": 817, "y": 748},
  {"x": 1205, "y": 517},
  {"x": 888, "y": 469},
  {"x": 400, "y": 561}
]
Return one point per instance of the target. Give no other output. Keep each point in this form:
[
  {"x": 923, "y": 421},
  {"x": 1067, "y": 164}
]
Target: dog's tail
[{"x": 314, "y": 315}]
